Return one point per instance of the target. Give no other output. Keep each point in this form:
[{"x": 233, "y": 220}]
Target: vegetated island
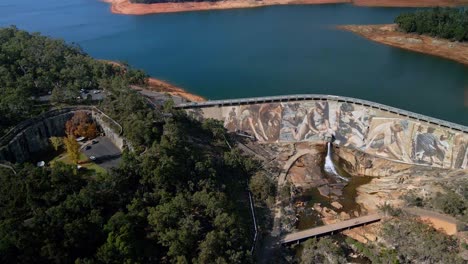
[
  {"x": 438, "y": 32},
  {"x": 145, "y": 7}
]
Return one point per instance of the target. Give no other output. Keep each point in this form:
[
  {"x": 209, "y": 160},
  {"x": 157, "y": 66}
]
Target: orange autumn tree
[{"x": 81, "y": 125}]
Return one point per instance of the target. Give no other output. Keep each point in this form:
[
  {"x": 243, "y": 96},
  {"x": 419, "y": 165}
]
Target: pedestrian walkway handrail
[
  {"x": 331, "y": 228},
  {"x": 321, "y": 97}
]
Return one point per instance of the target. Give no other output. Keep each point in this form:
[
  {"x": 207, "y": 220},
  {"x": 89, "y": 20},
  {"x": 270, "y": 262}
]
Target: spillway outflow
[{"x": 330, "y": 166}]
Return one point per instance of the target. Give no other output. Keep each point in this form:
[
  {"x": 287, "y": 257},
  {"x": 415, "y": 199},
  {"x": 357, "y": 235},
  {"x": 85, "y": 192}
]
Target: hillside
[{"x": 179, "y": 197}]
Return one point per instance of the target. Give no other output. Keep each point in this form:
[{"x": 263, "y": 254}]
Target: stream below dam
[{"x": 336, "y": 190}]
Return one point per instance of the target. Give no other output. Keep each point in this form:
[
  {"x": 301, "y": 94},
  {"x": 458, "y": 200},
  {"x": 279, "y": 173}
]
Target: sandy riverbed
[
  {"x": 389, "y": 35},
  {"x": 128, "y": 8}
]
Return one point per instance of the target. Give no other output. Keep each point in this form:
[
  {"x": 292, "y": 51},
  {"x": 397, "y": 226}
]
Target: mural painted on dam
[
  {"x": 261, "y": 121},
  {"x": 389, "y": 138},
  {"x": 350, "y": 123},
  {"x": 459, "y": 152},
  {"x": 373, "y": 131},
  {"x": 305, "y": 121},
  {"x": 438, "y": 147}
]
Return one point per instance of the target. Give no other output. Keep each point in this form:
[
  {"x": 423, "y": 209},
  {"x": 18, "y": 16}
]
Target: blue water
[{"x": 257, "y": 52}]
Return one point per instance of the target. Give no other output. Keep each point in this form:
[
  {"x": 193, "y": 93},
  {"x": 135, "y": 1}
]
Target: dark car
[
  {"x": 94, "y": 141},
  {"x": 87, "y": 147}
]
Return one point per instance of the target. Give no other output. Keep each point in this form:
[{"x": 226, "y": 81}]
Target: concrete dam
[{"x": 375, "y": 129}]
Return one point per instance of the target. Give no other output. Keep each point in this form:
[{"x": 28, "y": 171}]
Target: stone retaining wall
[{"x": 32, "y": 136}]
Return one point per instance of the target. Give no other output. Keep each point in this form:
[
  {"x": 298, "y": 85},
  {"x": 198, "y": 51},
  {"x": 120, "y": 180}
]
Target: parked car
[
  {"x": 80, "y": 139},
  {"x": 96, "y": 91},
  {"x": 87, "y": 147},
  {"x": 94, "y": 141},
  {"x": 92, "y": 158}
]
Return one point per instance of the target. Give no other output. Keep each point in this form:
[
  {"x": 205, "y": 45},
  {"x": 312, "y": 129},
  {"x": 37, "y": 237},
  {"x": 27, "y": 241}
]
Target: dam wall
[
  {"x": 32, "y": 136},
  {"x": 375, "y": 129}
]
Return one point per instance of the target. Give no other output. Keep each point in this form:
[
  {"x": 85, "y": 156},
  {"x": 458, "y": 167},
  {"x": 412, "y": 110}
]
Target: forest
[
  {"x": 33, "y": 65},
  {"x": 447, "y": 23},
  {"x": 180, "y": 197}
]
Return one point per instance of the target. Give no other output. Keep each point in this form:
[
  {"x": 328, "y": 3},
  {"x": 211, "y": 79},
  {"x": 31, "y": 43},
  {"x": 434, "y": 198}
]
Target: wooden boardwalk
[{"x": 327, "y": 229}]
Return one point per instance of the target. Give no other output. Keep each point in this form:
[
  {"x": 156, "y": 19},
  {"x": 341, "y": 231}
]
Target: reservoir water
[{"x": 257, "y": 52}]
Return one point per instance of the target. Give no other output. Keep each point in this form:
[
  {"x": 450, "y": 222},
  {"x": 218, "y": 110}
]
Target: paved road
[
  {"x": 99, "y": 96},
  {"x": 159, "y": 98},
  {"x": 106, "y": 153}
]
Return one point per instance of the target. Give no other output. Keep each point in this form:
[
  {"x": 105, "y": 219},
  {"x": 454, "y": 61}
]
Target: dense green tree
[
  {"x": 33, "y": 65},
  {"x": 56, "y": 142},
  {"x": 323, "y": 250},
  {"x": 181, "y": 201},
  {"x": 416, "y": 242},
  {"x": 263, "y": 188},
  {"x": 449, "y": 23},
  {"x": 449, "y": 203},
  {"x": 179, "y": 197}
]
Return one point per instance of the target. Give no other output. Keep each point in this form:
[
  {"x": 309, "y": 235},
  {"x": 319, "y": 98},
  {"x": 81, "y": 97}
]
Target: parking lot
[
  {"x": 106, "y": 153},
  {"x": 96, "y": 95}
]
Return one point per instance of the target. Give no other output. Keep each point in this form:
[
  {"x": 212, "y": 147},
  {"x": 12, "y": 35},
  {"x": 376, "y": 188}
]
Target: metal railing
[{"x": 322, "y": 97}]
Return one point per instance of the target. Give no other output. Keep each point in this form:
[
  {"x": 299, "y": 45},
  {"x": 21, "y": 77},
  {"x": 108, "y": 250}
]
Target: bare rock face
[
  {"x": 364, "y": 234},
  {"x": 337, "y": 205},
  {"x": 393, "y": 179},
  {"x": 361, "y": 164},
  {"x": 423, "y": 181},
  {"x": 306, "y": 171},
  {"x": 344, "y": 216}
]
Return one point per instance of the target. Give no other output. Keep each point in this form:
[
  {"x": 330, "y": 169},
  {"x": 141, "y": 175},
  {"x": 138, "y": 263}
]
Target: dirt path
[{"x": 389, "y": 35}]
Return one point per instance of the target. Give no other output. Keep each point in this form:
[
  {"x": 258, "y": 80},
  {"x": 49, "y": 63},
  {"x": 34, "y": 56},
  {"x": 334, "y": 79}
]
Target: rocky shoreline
[
  {"x": 390, "y": 35},
  {"x": 125, "y": 7},
  {"x": 161, "y": 86}
]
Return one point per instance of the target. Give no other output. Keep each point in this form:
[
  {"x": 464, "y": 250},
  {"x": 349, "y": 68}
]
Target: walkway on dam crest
[
  {"x": 327, "y": 229},
  {"x": 323, "y": 97}
]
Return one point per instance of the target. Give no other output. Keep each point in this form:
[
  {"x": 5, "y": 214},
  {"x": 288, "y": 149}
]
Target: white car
[
  {"x": 96, "y": 91},
  {"x": 92, "y": 158}
]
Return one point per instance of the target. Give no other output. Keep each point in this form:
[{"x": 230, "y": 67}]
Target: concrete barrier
[{"x": 32, "y": 136}]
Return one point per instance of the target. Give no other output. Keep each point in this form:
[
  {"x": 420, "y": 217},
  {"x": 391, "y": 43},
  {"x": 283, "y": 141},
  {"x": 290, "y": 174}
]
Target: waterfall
[{"x": 329, "y": 166}]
